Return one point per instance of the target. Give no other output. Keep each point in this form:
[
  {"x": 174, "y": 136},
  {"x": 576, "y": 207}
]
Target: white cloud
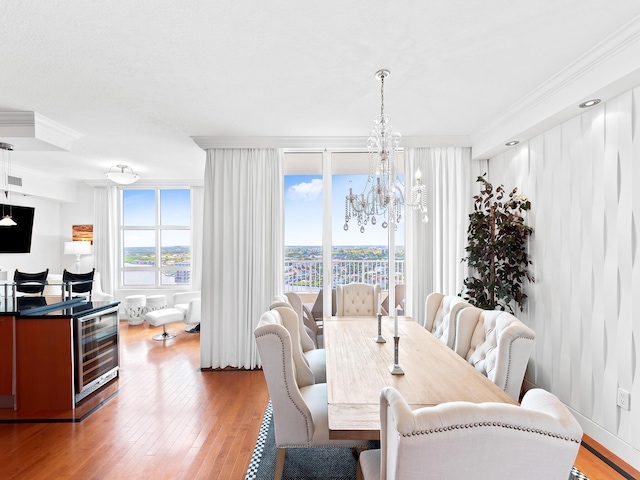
[{"x": 305, "y": 192}]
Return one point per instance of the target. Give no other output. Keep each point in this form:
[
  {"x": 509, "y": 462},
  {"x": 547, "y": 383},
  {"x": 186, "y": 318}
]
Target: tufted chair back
[
  {"x": 485, "y": 441},
  {"x": 497, "y": 344},
  {"x": 357, "y": 300},
  {"x": 441, "y": 312}
]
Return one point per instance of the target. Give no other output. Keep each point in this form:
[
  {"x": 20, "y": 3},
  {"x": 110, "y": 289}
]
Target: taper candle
[{"x": 395, "y": 322}]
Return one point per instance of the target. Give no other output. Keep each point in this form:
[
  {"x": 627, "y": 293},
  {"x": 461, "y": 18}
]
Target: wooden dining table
[{"x": 358, "y": 368}]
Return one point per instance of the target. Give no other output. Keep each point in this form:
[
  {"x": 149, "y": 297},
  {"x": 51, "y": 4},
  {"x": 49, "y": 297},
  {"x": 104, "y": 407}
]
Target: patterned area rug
[{"x": 309, "y": 463}]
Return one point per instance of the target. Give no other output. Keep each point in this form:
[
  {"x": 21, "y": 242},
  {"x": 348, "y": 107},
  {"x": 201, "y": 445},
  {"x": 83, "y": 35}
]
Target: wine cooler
[{"x": 96, "y": 345}]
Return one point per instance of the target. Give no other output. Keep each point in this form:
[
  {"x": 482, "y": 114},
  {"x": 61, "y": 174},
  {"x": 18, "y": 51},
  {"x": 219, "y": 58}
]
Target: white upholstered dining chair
[
  {"x": 310, "y": 325},
  {"x": 282, "y": 300},
  {"x": 357, "y": 300},
  {"x": 461, "y": 440},
  {"x": 497, "y": 344},
  {"x": 316, "y": 358},
  {"x": 440, "y": 316},
  {"x": 300, "y": 408}
]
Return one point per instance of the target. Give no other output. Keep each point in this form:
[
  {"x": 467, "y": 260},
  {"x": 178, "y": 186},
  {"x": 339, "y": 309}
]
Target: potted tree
[{"x": 496, "y": 251}]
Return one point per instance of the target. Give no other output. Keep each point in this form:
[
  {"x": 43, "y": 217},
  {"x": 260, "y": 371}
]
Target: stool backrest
[{"x": 78, "y": 282}]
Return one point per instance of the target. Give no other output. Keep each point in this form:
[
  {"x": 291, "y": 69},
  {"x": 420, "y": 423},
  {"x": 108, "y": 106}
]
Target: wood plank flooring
[{"x": 168, "y": 420}]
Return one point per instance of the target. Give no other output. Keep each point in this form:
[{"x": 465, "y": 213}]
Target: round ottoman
[{"x": 134, "y": 308}]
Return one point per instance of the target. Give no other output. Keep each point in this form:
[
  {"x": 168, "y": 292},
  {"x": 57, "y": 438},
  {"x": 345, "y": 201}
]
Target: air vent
[{"x": 17, "y": 181}]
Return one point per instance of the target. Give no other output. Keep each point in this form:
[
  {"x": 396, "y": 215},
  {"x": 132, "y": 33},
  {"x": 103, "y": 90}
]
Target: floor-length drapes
[
  {"x": 243, "y": 255},
  {"x": 105, "y": 235},
  {"x": 197, "y": 227},
  {"x": 434, "y": 250}
]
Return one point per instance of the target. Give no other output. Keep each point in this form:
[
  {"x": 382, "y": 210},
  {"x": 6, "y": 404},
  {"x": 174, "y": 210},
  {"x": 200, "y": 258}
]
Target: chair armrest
[
  {"x": 194, "y": 311},
  {"x": 184, "y": 297}
]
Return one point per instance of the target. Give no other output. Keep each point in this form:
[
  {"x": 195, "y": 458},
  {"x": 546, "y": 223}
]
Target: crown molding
[
  {"x": 607, "y": 70},
  {"x": 148, "y": 183},
  {"x": 30, "y": 131},
  {"x": 351, "y": 143}
]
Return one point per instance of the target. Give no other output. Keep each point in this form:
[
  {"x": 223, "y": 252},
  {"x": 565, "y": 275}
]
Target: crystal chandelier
[{"x": 383, "y": 193}]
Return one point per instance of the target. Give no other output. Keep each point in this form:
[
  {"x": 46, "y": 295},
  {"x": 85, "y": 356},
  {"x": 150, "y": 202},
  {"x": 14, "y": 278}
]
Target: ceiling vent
[{"x": 17, "y": 181}]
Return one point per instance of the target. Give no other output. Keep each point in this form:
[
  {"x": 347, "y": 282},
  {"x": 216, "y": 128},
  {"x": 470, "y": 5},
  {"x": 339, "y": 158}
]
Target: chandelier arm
[{"x": 383, "y": 193}]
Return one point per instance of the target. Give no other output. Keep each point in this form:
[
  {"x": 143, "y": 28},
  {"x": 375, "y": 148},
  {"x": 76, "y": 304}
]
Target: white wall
[
  {"x": 45, "y": 242},
  {"x": 59, "y": 203},
  {"x": 583, "y": 178},
  {"x": 78, "y": 213}
]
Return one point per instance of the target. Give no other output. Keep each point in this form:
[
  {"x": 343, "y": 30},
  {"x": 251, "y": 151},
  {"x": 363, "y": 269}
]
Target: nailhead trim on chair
[
  {"x": 506, "y": 381},
  {"x": 490, "y": 424},
  {"x": 306, "y": 422},
  {"x": 308, "y": 444}
]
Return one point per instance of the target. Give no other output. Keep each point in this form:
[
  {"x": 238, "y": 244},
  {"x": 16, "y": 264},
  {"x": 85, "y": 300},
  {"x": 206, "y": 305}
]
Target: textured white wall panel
[{"x": 583, "y": 179}]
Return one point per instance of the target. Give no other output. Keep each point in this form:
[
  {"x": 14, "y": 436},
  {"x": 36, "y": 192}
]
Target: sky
[
  {"x": 139, "y": 209},
  {"x": 303, "y": 213}
]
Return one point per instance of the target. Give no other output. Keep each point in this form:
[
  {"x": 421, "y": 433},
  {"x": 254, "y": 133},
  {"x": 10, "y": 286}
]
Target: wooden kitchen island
[{"x": 59, "y": 360}]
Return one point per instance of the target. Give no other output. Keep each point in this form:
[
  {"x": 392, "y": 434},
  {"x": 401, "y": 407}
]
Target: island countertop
[{"x": 52, "y": 307}]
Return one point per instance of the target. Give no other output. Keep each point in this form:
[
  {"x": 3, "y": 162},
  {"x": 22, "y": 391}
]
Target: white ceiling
[{"x": 138, "y": 79}]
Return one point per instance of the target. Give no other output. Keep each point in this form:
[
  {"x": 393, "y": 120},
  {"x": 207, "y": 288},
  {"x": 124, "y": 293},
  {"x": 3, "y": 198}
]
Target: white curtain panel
[
  {"x": 434, "y": 250},
  {"x": 105, "y": 235},
  {"x": 197, "y": 227},
  {"x": 243, "y": 254}
]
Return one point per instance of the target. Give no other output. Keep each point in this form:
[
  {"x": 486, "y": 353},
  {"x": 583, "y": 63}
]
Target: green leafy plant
[{"x": 496, "y": 251}]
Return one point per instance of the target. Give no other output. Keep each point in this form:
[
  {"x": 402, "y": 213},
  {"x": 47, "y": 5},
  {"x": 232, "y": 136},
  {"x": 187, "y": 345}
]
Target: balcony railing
[{"x": 306, "y": 275}]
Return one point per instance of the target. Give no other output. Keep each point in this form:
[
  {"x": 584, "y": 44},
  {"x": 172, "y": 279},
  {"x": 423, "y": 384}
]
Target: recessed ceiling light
[
  {"x": 590, "y": 103},
  {"x": 512, "y": 143}
]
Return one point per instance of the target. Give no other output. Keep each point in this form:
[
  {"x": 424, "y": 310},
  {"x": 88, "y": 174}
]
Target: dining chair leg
[
  {"x": 279, "y": 463},
  {"x": 359, "y": 475}
]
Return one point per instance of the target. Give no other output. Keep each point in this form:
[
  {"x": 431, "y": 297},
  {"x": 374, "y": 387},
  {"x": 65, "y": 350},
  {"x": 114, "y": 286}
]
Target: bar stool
[{"x": 134, "y": 307}]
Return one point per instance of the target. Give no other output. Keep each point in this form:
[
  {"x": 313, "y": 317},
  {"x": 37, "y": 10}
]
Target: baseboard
[
  {"x": 609, "y": 441},
  {"x": 615, "y": 445},
  {"x": 605, "y": 438}
]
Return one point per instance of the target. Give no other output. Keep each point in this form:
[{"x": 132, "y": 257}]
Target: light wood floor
[{"x": 167, "y": 421}]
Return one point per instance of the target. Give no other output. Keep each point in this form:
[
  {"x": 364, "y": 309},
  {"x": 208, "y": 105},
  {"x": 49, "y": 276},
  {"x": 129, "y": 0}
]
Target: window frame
[{"x": 157, "y": 228}]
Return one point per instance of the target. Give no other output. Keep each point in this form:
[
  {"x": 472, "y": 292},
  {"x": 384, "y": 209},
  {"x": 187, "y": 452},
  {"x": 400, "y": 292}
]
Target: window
[
  {"x": 303, "y": 232},
  {"x": 155, "y": 237},
  {"x": 355, "y": 256}
]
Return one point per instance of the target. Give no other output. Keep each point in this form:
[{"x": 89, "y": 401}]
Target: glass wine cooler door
[{"x": 96, "y": 362}]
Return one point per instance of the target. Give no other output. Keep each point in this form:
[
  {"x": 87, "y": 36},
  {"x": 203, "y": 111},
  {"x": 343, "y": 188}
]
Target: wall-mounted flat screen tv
[{"x": 17, "y": 238}]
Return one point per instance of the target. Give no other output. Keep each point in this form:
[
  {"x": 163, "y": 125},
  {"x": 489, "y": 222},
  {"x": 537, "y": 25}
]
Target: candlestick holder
[
  {"x": 380, "y": 338},
  {"x": 395, "y": 369}
]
